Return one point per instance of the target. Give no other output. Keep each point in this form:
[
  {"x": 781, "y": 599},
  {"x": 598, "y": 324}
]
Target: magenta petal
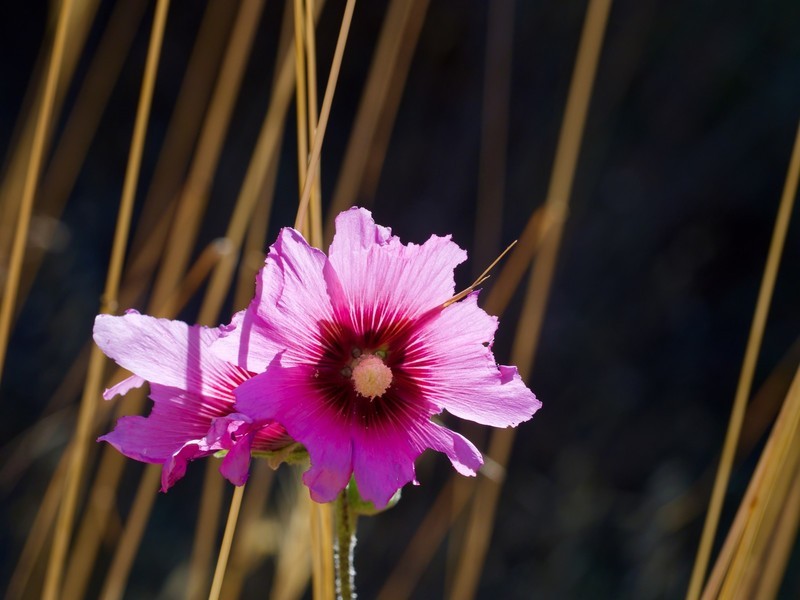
[
  {"x": 383, "y": 457},
  {"x": 285, "y": 394},
  {"x": 234, "y": 434},
  {"x": 175, "y": 466},
  {"x": 452, "y": 354},
  {"x": 383, "y": 462},
  {"x": 463, "y": 455}
]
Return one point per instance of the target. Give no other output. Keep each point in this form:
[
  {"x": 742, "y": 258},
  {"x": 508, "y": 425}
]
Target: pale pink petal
[
  {"x": 386, "y": 283},
  {"x": 356, "y": 231},
  {"x": 451, "y": 353},
  {"x": 288, "y": 312},
  {"x": 124, "y": 386},
  {"x": 165, "y": 352},
  {"x": 287, "y": 395}
]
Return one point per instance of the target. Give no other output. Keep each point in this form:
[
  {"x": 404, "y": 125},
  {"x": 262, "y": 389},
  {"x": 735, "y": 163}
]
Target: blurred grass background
[{"x": 684, "y": 155}]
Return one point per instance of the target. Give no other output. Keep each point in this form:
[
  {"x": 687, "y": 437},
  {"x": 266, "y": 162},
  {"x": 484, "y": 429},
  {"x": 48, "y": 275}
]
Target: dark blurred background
[{"x": 686, "y": 148}]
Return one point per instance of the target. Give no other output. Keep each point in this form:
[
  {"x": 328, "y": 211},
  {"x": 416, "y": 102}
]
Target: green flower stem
[{"x": 345, "y": 523}]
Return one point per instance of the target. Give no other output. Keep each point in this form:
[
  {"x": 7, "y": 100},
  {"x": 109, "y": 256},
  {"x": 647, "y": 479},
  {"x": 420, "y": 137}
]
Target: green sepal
[
  {"x": 293, "y": 454},
  {"x": 361, "y": 507}
]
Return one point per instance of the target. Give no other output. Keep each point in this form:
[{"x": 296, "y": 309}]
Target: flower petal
[
  {"x": 290, "y": 303},
  {"x": 384, "y": 456},
  {"x": 374, "y": 279},
  {"x": 124, "y": 386},
  {"x": 356, "y": 231},
  {"x": 287, "y": 395},
  {"x": 463, "y": 455},
  {"x": 452, "y": 355},
  {"x": 169, "y": 353}
]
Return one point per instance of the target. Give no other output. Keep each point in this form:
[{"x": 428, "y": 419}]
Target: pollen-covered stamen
[{"x": 371, "y": 377}]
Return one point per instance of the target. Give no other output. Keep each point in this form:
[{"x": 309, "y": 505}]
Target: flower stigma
[{"x": 371, "y": 377}]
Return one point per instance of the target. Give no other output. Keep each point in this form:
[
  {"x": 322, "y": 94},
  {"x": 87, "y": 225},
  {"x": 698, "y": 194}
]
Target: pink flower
[
  {"x": 355, "y": 353},
  {"x": 193, "y": 414}
]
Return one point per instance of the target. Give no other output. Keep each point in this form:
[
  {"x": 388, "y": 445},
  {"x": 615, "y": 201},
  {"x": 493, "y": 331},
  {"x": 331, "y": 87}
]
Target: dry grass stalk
[
  {"x": 184, "y": 128},
  {"x": 252, "y": 188},
  {"x": 525, "y": 342},
  {"x": 31, "y": 182},
  {"x": 246, "y": 552},
  {"x": 742, "y": 562},
  {"x": 746, "y": 375},
  {"x": 194, "y": 195},
  {"x": 108, "y": 304},
  {"x": 319, "y": 135},
  {"x": 37, "y": 536},
  {"x": 444, "y": 512},
  {"x": 82, "y": 123},
  {"x": 227, "y": 542},
  {"x": 293, "y": 563},
  {"x": 78, "y": 26},
  {"x": 780, "y": 548},
  {"x": 125, "y": 553},
  {"x": 315, "y": 211},
  {"x": 378, "y": 105}
]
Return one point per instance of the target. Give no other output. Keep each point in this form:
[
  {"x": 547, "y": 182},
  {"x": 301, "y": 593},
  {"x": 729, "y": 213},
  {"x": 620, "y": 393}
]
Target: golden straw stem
[
  {"x": 333, "y": 77},
  {"x": 121, "y": 564},
  {"x": 782, "y": 543},
  {"x": 526, "y": 340},
  {"x": 209, "y": 147},
  {"x": 108, "y": 304},
  {"x": 244, "y": 554},
  {"x": 205, "y": 531},
  {"x": 775, "y": 484},
  {"x": 746, "y": 375},
  {"x": 293, "y": 563},
  {"x": 32, "y": 179},
  {"x": 390, "y": 64},
  {"x": 315, "y": 214},
  {"x": 227, "y": 541},
  {"x": 320, "y": 518},
  {"x": 301, "y": 106},
  {"x": 260, "y": 163},
  {"x": 37, "y": 536},
  {"x": 78, "y": 27},
  {"x": 180, "y": 140},
  {"x": 82, "y": 122}
]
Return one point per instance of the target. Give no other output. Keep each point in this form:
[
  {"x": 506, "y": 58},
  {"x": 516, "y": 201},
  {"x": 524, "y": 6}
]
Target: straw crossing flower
[{"x": 356, "y": 351}]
